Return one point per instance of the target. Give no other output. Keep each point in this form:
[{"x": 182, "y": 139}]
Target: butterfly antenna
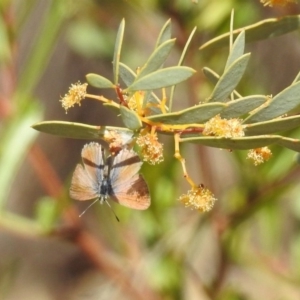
[
  {"x": 112, "y": 210},
  {"x": 88, "y": 207}
]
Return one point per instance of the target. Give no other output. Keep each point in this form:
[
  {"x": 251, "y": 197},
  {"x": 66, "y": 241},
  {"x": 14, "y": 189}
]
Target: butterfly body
[{"x": 116, "y": 178}]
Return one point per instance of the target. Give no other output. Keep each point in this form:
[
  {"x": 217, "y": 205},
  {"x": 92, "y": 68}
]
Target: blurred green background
[{"x": 247, "y": 247}]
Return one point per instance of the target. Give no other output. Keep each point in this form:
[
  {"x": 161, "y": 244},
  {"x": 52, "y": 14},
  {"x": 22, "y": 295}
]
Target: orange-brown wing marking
[
  {"x": 128, "y": 187},
  {"x": 134, "y": 195}
]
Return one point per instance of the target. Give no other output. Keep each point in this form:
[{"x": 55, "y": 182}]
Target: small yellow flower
[
  {"x": 136, "y": 102},
  {"x": 151, "y": 148},
  {"x": 76, "y": 93},
  {"x": 228, "y": 128},
  {"x": 259, "y": 155},
  {"x": 198, "y": 198},
  {"x": 277, "y": 2}
]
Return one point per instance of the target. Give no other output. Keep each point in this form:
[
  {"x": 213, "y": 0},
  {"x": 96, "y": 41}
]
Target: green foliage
[
  {"x": 265, "y": 29},
  {"x": 251, "y": 109},
  {"x": 77, "y": 130},
  {"x": 167, "y": 252}
]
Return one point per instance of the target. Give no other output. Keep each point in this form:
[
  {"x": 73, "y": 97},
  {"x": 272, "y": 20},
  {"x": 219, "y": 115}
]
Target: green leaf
[
  {"x": 214, "y": 77},
  {"x": 242, "y": 143},
  {"x": 130, "y": 119},
  {"x": 156, "y": 59},
  {"x": 183, "y": 54},
  {"x": 126, "y": 74},
  {"x": 268, "y": 28},
  {"x": 117, "y": 52},
  {"x": 15, "y": 142},
  {"x": 297, "y": 78},
  {"x": 78, "y": 130},
  {"x": 162, "y": 78},
  {"x": 165, "y": 33},
  {"x": 273, "y": 126},
  {"x": 241, "y": 106},
  {"x": 211, "y": 75},
  {"x": 237, "y": 49},
  {"x": 98, "y": 81},
  {"x": 293, "y": 144},
  {"x": 229, "y": 80},
  {"x": 196, "y": 114},
  {"x": 44, "y": 43},
  {"x": 46, "y": 213},
  {"x": 281, "y": 104}
]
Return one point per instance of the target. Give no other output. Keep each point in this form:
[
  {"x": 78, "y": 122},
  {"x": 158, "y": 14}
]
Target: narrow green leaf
[
  {"x": 211, "y": 75},
  {"x": 196, "y": 114},
  {"x": 40, "y": 52},
  {"x": 268, "y": 28},
  {"x": 214, "y": 77},
  {"x": 297, "y": 78},
  {"x": 281, "y": 104},
  {"x": 239, "y": 107},
  {"x": 98, "y": 81},
  {"x": 162, "y": 78},
  {"x": 130, "y": 119},
  {"x": 293, "y": 144},
  {"x": 183, "y": 54},
  {"x": 243, "y": 143},
  {"x": 79, "y": 130},
  {"x": 237, "y": 49},
  {"x": 229, "y": 80},
  {"x": 15, "y": 142},
  {"x": 273, "y": 126},
  {"x": 117, "y": 52},
  {"x": 165, "y": 33},
  {"x": 126, "y": 74},
  {"x": 156, "y": 59}
]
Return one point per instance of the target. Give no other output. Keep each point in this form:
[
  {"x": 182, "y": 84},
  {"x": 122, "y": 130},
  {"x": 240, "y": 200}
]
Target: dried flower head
[
  {"x": 228, "y": 128},
  {"x": 277, "y": 2},
  {"x": 151, "y": 148},
  {"x": 198, "y": 198},
  {"x": 116, "y": 140},
  {"x": 259, "y": 155},
  {"x": 76, "y": 93}
]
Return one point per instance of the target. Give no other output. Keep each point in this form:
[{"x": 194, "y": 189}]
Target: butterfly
[{"x": 116, "y": 178}]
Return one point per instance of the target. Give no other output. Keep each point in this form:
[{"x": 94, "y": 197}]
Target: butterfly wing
[
  {"x": 128, "y": 187},
  {"x": 82, "y": 187},
  {"x": 92, "y": 158},
  {"x": 86, "y": 180}
]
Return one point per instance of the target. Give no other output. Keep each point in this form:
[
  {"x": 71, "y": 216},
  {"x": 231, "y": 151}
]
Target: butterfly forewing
[
  {"x": 125, "y": 166},
  {"x": 92, "y": 158},
  {"x": 128, "y": 187},
  {"x": 82, "y": 187}
]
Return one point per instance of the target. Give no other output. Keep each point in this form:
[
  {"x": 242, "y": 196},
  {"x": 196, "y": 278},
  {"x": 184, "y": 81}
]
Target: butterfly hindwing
[
  {"x": 128, "y": 187},
  {"x": 134, "y": 195}
]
